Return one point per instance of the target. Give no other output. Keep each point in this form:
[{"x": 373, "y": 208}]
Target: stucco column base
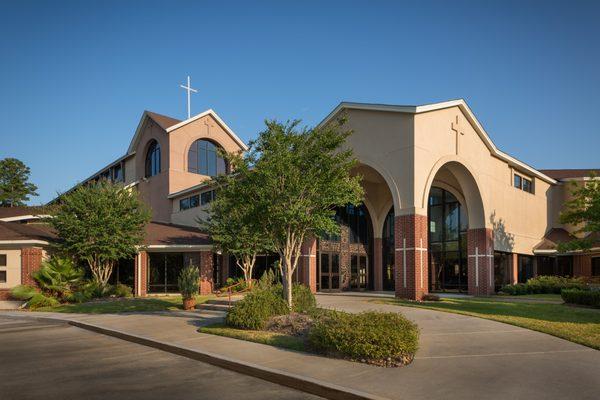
[
  {"x": 410, "y": 235},
  {"x": 480, "y": 251},
  {"x": 308, "y": 264}
]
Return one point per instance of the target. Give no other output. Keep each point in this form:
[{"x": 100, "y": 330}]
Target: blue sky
[{"x": 75, "y": 77}]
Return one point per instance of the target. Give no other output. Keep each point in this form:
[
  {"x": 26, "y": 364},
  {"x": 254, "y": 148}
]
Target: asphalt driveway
[{"x": 41, "y": 360}]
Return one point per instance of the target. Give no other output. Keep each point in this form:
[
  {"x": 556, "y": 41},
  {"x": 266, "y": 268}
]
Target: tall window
[
  {"x": 447, "y": 242},
  {"x": 153, "y": 159},
  {"x": 203, "y": 159}
]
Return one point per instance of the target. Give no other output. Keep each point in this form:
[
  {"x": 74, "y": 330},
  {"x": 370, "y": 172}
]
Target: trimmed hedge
[
  {"x": 368, "y": 336},
  {"x": 258, "y": 306},
  {"x": 544, "y": 284},
  {"x": 581, "y": 297}
]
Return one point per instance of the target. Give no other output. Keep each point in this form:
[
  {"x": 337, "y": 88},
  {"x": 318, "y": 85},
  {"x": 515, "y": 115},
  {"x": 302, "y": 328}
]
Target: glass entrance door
[
  {"x": 358, "y": 272},
  {"x": 329, "y": 271},
  {"x": 163, "y": 271}
]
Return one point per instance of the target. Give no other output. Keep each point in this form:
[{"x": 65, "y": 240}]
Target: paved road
[{"x": 57, "y": 361}]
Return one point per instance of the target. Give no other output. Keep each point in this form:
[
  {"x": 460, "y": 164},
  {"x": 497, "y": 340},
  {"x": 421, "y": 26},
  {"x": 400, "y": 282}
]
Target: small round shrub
[
  {"x": 369, "y": 336},
  {"x": 40, "y": 300},
  {"x": 23, "y": 292},
  {"x": 188, "y": 281},
  {"x": 303, "y": 300},
  {"x": 256, "y": 308},
  {"x": 430, "y": 297},
  {"x": 121, "y": 290}
]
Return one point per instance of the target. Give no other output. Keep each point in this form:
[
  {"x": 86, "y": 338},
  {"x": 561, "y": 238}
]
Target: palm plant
[{"x": 59, "y": 277}]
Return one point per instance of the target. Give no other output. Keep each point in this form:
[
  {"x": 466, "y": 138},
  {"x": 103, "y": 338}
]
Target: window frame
[
  {"x": 4, "y": 257},
  {"x": 522, "y": 179},
  {"x": 5, "y": 273},
  {"x": 200, "y": 152},
  {"x": 153, "y": 160}
]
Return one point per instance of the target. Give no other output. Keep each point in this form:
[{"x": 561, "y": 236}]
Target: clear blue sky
[{"x": 76, "y": 76}]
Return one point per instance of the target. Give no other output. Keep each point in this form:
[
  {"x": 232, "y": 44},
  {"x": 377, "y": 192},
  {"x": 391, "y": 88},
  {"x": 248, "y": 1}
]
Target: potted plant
[{"x": 188, "y": 286}]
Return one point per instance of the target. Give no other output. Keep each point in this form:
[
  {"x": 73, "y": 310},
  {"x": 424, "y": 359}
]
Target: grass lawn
[
  {"x": 111, "y": 306},
  {"x": 264, "y": 337},
  {"x": 579, "y": 325},
  {"x": 536, "y": 296}
]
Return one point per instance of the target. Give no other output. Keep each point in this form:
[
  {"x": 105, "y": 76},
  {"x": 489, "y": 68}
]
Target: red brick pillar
[
  {"x": 31, "y": 260},
  {"x": 206, "y": 272},
  {"x": 480, "y": 251},
  {"x": 141, "y": 274},
  {"x": 410, "y": 235},
  {"x": 377, "y": 264},
  {"x": 308, "y": 264}
]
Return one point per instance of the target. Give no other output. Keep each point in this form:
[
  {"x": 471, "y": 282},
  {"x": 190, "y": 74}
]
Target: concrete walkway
[{"x": 459, "y": 356}]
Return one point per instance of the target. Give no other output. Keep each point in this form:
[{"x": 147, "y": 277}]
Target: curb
[{"x": 298, "y": 382}]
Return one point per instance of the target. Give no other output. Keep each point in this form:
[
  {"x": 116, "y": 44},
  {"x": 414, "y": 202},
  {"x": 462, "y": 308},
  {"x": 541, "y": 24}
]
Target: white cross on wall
[
  {"x": 489, "y": 256},
  {"x": 189, "y": 90},
  {"x": 404, "y": 249},
  {"x": 458, "y": 130}
]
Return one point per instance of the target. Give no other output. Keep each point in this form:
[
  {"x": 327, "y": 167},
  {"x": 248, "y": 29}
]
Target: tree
[
  {"x": 583, "y": 211},
  {"x": 15, "y": 187},
  {"x": 297, "y": 178},
  {"x": 100, "y": 224},
  {"x": 235, "y": 222}
]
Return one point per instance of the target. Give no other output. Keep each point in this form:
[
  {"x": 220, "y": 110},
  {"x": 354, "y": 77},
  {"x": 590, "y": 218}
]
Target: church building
[{"x": 445, "y": 210}]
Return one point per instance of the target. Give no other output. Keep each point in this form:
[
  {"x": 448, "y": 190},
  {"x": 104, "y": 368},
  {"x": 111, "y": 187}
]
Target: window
[
  {"x": 203, "y": 159},
  {"x": 117, "y": 173},
  {"x": 525, "y": 269},
  {"x": 523, "y": 183},
  {"x": 2, "y": 260},
  {"x": 153, "y": 159},
  {"x": 189, "y": 202},
  {"x": 2, "y": 276},
  {"x": 207, "y": 197},
  {"x": 596, "y": 266},
  {"x": 518, "y": 181}
]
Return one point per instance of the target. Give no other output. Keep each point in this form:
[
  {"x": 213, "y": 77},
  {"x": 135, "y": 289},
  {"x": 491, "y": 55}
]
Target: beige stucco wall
[
  {"x": 411, "y": 151},
  {"x": 180, "y": 141},
  {"x": 188, "y": 217},
  {"x": 13, "y": 268}
]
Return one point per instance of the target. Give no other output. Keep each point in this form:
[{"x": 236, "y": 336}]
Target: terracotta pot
[{"x": 189, "y": 304}]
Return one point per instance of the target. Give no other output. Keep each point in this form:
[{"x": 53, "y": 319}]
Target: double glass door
[
  {"x": 163, "y": 271},
  {"x": 329, "y": 271},
  {"x": 358, "y": 272}
]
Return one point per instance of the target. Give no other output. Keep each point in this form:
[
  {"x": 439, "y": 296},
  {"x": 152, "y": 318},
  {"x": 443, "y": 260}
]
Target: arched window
[
  {"x": 153, "y": 159},
  {"x": 203, "y": 159}
]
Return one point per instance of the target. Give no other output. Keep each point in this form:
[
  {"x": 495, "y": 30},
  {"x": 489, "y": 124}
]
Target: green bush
[
  {"x": 40, "y": 300},
  {"x": 121, "y": 290},
  {"x": 368, "y": 335},
  {"x": 553, "y": 284},
  {"x": 582, "y": 297},
  {"x": 187, "y": 281},
  {"x": 23, "y": 292},
  {"x": 255, "y": 309},
  {"x": 514, "y": 290},
  {"x": 303, "y": 299},
  {"x": 59, "y": 277}
]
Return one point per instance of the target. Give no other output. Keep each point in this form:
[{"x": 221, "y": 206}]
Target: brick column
[
  {"x": 377, "y": 264},
  {"x": 308, "y": 264},
  {"x": 31, "y": 260},
  {"x": 410, "y": 235},
  {"x": 141, "y": 274},
  {"x": 206, "y": 272},
  {"x": 480, "y": 250},
  {"x": 514, "y": 265}
]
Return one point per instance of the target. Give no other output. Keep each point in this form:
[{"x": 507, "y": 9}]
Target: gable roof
[
  {"x": 552, "y": 239},
  {"x": 460, "y": 103},
  {"x": 171, "y": 124},
  {"x": 559, "y": 174},
  {"x": 20, "y": 211},
  {"x": 164, "y": 234},
  {"x": 17, "y": 232}
]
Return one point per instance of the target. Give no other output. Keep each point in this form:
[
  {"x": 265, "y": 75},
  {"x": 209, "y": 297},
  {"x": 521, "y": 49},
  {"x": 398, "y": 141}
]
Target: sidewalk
[{"x": 460, "y": 356}]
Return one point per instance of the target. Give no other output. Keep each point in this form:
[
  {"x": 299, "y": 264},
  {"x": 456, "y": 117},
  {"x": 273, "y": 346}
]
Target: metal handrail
[{"x": 229, "y": 289}]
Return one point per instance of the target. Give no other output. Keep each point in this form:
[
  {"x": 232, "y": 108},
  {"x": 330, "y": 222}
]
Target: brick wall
[
  {"x": 480, "y": 251},
  {"x": 143, "y": 279},
  {"x": 377, "y": 264},
  {"x": 307, "y": 266},
  {"x": 31, "y": 260},
  {"x": 410, "y": 234},
  {"x": 206, "y": 272}
]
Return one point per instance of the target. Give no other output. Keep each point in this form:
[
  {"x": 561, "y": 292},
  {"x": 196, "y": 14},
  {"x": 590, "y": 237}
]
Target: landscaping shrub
[
  {"x": 59, "y": 277},
  {"x": 303, "y": 299},
  {"x": 430, "y": 297},
  {"x": 256, "y": 308},
  {"x": 582, "y": 297},
  {"x": 379, "y": 338},
  {"x": 553, "y": 284},
  {"x": 121, "y": 290},
  {"x": 23, "y": 292},
  {"x": 514, "y": 290},
  {"x": 41, "y": 300}
]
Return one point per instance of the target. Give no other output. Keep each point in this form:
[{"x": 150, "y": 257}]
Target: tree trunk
[{"x": 286, "y": 279}]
